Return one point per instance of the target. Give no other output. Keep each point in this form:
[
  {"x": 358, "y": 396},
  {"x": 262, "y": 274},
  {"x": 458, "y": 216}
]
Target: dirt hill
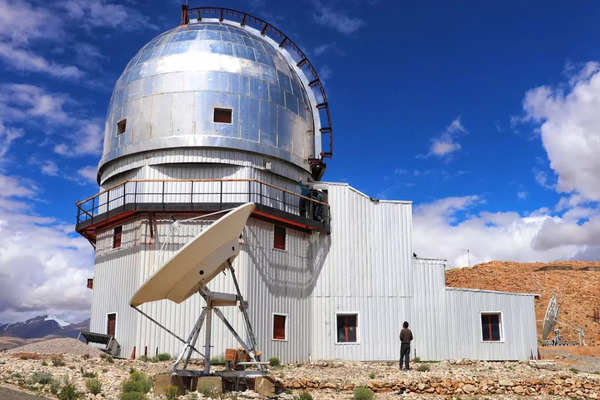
[{"x": 575, "y": 283}]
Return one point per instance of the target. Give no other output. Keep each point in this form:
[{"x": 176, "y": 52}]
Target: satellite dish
[
  {"x": 550, "y": 318},
  {"x": 198, "y": 262}
]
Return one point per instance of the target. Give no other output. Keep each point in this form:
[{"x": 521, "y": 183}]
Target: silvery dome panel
[{"x": 169, "y": 90}]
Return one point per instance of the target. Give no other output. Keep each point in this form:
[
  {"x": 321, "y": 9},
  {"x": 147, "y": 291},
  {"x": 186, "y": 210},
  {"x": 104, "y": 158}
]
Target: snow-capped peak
[{"x": 60, "y": 322}]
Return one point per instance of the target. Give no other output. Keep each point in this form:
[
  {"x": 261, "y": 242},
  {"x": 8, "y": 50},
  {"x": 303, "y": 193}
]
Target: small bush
[
  {"x": 137, "y": 382},
  {"x": 144, "y": 358},
  {"x": 363, "y": 393},
  {"x": 85, "y": 356},
  {"x": 416, "y": 359},
  {"x": 43, "y": 378},
  {"x": 217, "y": 361},
  {"x": 54, "y": 387},
  {"x": 206, "y": 390},
  {"x": 68, "y": 392},
  {"x": 24, "y": 357},
  {"x": 44, "y": 364},
  {"x": 107, "y": 358},
  {"x": 574, "y": 370},
  {"x": 171, "y": 392},
  {"x": 372, "y": 375},
  {"x": 58, "y": 361},
  {"x": 163, "y": 357},
  {"x": 305, "y": 396},
  {"x": 86, "y": 374},
  {"x": 132, "y": 396},
  {"x": 423, "y": 368},
  {"x": 93, "y": 385},
  {"x": 274, "y": 362}
]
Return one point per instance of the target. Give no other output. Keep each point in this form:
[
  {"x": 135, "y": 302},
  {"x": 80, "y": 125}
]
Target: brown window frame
[
  {"x": 488, "y": 323},
  {"x": 117, "y": 237},
  {"x": 349, "y": 333},
  {"x": 122, "y": 126},
  {"x": 279, "y": 332},
  {"x": 108, "y": 318},
  {"x": 279, "y": 237},
  {"x": 222, "y": 115}
]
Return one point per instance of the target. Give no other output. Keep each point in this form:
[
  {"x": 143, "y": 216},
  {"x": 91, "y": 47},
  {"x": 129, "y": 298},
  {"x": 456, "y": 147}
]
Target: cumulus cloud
[
  {"x": 101, "y": 13},
  {"x": 568, "y": 123},
  {"x": 446, "y": 228},
  {"x": 88, "y": 172},
  {"x": 88, "y": 140},
  {"x": 447, "y": 143},
  {"x": 337, "y": 19}
]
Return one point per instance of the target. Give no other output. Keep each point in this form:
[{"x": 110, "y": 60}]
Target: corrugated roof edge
[
  {"x": 490, "y": 291},
  {"x": 431, "y": 259},
  {"x": 363, "y": 194}
]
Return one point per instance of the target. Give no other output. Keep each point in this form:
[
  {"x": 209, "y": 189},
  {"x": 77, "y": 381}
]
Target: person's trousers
[{"x": 404, "y": 354}]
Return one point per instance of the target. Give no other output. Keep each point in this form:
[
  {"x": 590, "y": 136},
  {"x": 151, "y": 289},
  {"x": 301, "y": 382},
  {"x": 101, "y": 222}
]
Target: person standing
[{"x": 406, "y": 337}]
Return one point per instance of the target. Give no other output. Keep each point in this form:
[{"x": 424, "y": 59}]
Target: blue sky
[{"x": 484, "y": 114}]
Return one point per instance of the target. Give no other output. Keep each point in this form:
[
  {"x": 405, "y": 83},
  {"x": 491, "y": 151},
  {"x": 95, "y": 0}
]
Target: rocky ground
[{"x": 562, "y": 374}]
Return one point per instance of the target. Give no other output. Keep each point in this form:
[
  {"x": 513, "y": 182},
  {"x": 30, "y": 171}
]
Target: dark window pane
[
  {"x": 117, "y": 233},
  {"x": 490, "y": 327},
  {"x": 346, "y": 328},
  {"x": 279, "y": 237},
  {"x": 111, "y": 322},
  {"x": 222, "y": 115},
  {"x": 279, "y": 327}
]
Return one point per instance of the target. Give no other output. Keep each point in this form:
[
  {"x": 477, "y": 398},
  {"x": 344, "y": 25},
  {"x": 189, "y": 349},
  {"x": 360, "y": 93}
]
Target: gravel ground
[
  {"x": 58, "y": 346},
  {"x": 8, "y": 394}
]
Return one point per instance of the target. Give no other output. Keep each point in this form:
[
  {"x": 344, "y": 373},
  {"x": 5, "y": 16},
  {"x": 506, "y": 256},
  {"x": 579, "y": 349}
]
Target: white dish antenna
[
  {"x": 198, "y": 262},
  {"x": 551, "y": 317}
]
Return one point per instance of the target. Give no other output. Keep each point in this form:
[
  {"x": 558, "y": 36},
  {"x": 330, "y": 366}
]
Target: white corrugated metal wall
[{"x": 367, "y": 271}]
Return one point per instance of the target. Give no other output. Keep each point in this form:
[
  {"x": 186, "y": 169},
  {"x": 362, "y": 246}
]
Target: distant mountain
[{"x": 43, "y": 325}]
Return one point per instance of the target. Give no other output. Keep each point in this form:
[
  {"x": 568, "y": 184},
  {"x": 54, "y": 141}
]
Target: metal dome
[{"x": 167, "y": 95}]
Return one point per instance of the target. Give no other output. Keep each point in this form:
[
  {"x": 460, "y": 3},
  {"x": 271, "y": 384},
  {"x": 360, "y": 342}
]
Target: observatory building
[{"x": 226, "y": 109}]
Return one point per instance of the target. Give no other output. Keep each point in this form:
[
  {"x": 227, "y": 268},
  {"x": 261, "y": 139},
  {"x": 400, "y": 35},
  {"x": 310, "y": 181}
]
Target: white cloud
[
  {"x": 522, "y": 195},
  {"x": 446, "y": 143},
  {"x": 88, "y": 172},
  {"x": 27, "y": 60},
  {"x": 101, "y": 13},
  {"x": 568, "y": 124},
  {"x": 7, "y": 136},
  {"x": 43, "y": 266},
  {"x": 49, "y": 168},
  {"x": 87, "y": 140},
  {"x": 446, "y": 228},
  {"x": 337, "y": 19}
]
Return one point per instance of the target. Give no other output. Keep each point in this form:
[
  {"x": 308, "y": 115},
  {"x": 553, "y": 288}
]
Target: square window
[
  {"x": 117, "y": 233},
  {"x": 121, "y": 126},
  {"x": 111, "y": 324},
  {"x": 279, "y": 327},
  {"x": 279, "y": 237},
  {"x": 222, "y": 115},
  {"x": 347, "y": 327},
  {"x": 491, "y": 327}
]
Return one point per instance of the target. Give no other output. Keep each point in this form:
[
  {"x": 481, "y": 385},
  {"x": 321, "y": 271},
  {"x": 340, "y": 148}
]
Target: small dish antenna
[{"x": 551, "y": 317}]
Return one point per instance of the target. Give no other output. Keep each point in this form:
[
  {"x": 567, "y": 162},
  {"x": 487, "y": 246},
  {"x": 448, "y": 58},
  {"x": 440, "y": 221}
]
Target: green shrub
[
  {"x": 54, "y": 387},
  {"x": 206, "y": 390},
  {"x": 574, "y": 370},
  {"x": 137, "y": 382},
  {"x": 363, "y": 393},
  {"x": 68, "y": 392},
  {"x": 416, "y": 359},
  {"x": 107, "y": 358},
  {"x": 372, "y": 375},
  {"x": 43, "y": 378},
  {"x": 163, "y": 357},
  {"x": 305, "y": 396},
  {"x": 218, "y": 361},
  {"x": 44, "y": 364},
  {"x": 132, "y": 396},
  {"x": 423, "y": 368},
  {"x": 24, "y": 357},
  {"x": 274, "y": 362},
  {"x": 171, "y": 392},
  {"x": 144, "y": 358},
  {"x": 93, "y": 385}
]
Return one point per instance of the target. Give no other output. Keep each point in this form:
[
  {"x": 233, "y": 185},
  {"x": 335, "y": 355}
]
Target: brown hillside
[{"x": 576, "y": 284}]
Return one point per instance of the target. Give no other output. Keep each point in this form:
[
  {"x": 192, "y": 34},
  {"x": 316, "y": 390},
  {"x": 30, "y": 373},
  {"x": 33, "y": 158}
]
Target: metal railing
[{"x": 199, "y": 195}]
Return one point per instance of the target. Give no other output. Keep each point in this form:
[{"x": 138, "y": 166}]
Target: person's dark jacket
[{"x": 406, "y": 335}]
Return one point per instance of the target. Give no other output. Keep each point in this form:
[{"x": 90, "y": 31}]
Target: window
[
  {"x": 279, "y": 237},
  {"x": 121, "y": 126},
  {"x": 279, "y": 327},
  {"x": 222, "y": 115},
  {"x": 117, "y": 233},
  {"x": 111, "y": 323},
  {"x": 491, "y": 327},
  {"x": 90, "y": 283},
  {"x": 347, "y": 327}
]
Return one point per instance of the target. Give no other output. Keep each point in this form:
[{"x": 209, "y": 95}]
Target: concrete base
[
  {"x": 264, "y": 387},
  {"x": 212, "y": 384},
  {"x": 161, "y": 381}
]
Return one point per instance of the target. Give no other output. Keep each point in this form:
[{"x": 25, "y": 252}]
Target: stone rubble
[{"x": 465, "y": 379}]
